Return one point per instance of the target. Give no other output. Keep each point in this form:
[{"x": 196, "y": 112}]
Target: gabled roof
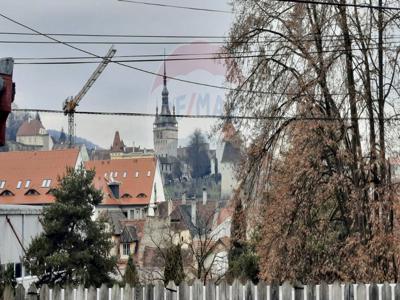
[
  {"x": 30, "y": 128},
  {"x": 114, "y": 218},
  {"x": 28, "y": 170},
  {"x": 118, "y": 144},
  {"x": 134, "y": 175},
  {"x": 129, "y": 234}
]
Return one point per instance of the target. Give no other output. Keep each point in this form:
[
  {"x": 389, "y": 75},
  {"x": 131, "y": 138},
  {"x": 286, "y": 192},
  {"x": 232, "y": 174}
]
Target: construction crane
[{"x": 70, "y": 104}]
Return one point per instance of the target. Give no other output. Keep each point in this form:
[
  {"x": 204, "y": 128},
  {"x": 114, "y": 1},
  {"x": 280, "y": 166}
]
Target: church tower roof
[
  {"x": 118, "y": 144},
  {"x": 166, "y": 118}
]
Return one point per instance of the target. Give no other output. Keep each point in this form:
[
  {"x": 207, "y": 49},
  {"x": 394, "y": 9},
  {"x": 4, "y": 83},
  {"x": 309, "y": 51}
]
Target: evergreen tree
[
  {"x": 242, "y": 257},
  {"x": 131, "y": 275},
  {"x": 73, "y": 248},
  {"x": 197, "y": 155},
  {"x": 173, "y": 267},
  {"x": 7, "y": 278}
]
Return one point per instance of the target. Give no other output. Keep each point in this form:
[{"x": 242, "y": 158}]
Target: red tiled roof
[
  {"x": 30, "y": 128},
  {"x": 124, "y": 171},
  {"x": 34, "y": 166}
]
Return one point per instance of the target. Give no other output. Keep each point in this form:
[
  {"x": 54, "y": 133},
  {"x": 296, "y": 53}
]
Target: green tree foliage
[
  {"x": 7, "y": 277},
  {"x": 73, "y": 248},
  {"x": 131, "y": 275},
  {"x": 197, "y": 155},
  {"x": 173, "y": 264}
]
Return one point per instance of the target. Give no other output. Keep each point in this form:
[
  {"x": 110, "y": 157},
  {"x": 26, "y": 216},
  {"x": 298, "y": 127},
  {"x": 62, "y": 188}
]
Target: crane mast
[{"x": 71, "y": 103}]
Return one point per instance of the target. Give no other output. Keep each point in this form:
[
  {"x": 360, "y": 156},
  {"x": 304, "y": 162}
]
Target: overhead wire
[
  {"x": 177, "y": 6},
  {"x": 144, "y": 70},
  {"x": 207, "y": 116},
  {"x": 330, "y": 3},
  {"x": 215, "y": 58}
]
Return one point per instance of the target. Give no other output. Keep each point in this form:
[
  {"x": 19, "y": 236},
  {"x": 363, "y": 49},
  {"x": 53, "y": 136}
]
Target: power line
[
  {"x": 118, "y": 35},
  {"x": 221, "y": 57},
  {"x": 177, "y": 6},
  {"x": 341, "y": 4},
  {"x": 221, "y": 117},
  {"x": 327, "y": 37},
  {"x": 136, "y": 68},
  {"x": 166, "y": 42},
  {"x": 147, "y": 71},
  {"x": 113, "y": 42}
]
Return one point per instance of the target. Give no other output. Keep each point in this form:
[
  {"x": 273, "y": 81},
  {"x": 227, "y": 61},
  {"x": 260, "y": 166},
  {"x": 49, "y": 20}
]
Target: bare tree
[{"x": 322, "y": 80}]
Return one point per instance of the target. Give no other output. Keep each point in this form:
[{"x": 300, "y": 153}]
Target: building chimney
[
  {"x": 194, "y": 212},
  {"x": 169, "y": 207},
  {"x": 204, "y": 196},
  {"x": 184, "y": 197}
]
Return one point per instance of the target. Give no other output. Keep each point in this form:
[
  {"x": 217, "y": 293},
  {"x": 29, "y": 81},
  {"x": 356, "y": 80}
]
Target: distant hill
[{"x": 55, "y": 134}]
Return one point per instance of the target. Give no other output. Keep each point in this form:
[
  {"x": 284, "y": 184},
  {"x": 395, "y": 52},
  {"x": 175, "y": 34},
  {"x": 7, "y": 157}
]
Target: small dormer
[
  {"x": 32, "y": 192},
  {"x": 6, "y": 193},
  {"x": 114, "y": 188}
]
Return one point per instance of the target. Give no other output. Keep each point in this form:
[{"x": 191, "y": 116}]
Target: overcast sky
[{"x": 118, "y": 89}]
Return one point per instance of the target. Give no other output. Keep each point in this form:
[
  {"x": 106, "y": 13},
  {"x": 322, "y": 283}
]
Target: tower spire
[{"x": 165, "y": 71}]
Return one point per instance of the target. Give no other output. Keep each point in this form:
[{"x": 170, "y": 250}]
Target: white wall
[
  {"x": 158, "y": 186},
  {"x": 228, "y": 180},
  {"x": 25, "y": 221}
]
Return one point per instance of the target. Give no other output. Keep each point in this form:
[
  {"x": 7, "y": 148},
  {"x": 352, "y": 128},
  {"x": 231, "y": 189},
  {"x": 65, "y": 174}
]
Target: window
[
  {"x": 125, "y": 174},
  {"x": 2, "y": 184},
  {"x": 148, "y": 173},
  {"x": 46, "y": 183},
  {"x": 126, "y": 249},
  {"x": 27, "y": 183},
  {"x": 111, "y": 174},
  {"x": 141, "y": 195},
  {"x": 18, "y": 270},
  {"x": 137, "y": 174},
  {"x": 116, "y": 174},
  {"x": 19, "y": 184}
]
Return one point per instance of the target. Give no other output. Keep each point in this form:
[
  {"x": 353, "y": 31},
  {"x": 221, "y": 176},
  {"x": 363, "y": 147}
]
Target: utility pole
[
  {"x": 7, "y": 93},
  {"x": 381, "y": 96}
]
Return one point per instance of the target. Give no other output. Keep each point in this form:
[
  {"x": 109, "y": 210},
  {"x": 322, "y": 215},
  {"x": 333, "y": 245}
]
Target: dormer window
[
  {"x": 32, "y": 192},
  {"x": 27, "y": 183},
  {"x": 19, "y": 184},
  {"x": 7, "y": 193},
  {"x": 2, "y": 184},
  {"x": 126, "y": 195},
  {"x": 141, "y": 195}
]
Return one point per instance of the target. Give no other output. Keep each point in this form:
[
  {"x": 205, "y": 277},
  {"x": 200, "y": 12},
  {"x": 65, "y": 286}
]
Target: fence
[{"x": 211, "y": 291}]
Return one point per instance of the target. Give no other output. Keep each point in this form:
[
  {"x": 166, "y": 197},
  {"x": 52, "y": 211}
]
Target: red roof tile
[
  {"x": 30, "y": 128},
  {"x": 124, "y": 172},
  {"x": 34, "y": 166}
]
